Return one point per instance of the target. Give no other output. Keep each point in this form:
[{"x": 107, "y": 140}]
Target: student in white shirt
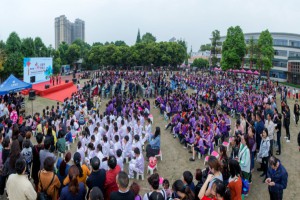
[
  {"x": 105, "y": 147},
  {"x": 126, "y": 146}
]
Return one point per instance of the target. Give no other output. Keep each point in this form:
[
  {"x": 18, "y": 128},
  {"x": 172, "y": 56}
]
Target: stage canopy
[{"x": 12, "y": 84}]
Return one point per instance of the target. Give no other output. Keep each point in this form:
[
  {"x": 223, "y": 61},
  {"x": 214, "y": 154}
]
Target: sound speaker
[
  {"x": 47, "y": 86},
  {"x": 66, "y": 81},
  {"x": 32, "y": 79},
  {"x": 31, "y": 95},
  {"x": 74, "y": 80}
]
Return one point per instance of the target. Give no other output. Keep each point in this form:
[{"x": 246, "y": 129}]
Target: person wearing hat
[{"x": 97, "y": 177}]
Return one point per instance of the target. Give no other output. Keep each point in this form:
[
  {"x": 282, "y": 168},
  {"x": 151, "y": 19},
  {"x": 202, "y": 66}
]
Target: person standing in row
[
  {"x": 286, "y": 122},
  {"x": 277, "y": 179},
  {"x": 296, "y": 112}
]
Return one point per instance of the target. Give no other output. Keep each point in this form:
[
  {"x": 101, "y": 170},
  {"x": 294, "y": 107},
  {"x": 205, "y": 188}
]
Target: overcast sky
[{"x": 110, "y": 20}]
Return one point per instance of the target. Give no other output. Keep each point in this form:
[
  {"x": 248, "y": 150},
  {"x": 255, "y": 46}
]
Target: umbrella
[
  {"x": 236, "y": 71},
  {"x": 216, "y": 69},
  {"x": 230, "y": 70},
  {"x": 256, "y": 73},
  {"x": 249, "y": 72},
  {"x": 243, "y": 71}
]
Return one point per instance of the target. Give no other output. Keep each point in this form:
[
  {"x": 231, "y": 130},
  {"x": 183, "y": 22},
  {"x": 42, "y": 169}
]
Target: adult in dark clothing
[
  {"x": 96, "y": 194},
  {"x": 278, "y": 132},
  {"x": 286, "y": 122},
  {"x": 259, "y": 127},
  {"x": 277, "y": 178},
  {"x": 188, "y": 180},
  {"x": 124, "y": 192},
  {"x": 296, "y": 112},
  {"x": 198, "y": 177},
  {"x": 97, "y": 177},
  {"x": 36, "y": 158},
  {"x": 9, "y": 165}
]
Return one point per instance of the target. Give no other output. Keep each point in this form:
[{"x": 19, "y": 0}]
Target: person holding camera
[{"x": 277, "y": 178}]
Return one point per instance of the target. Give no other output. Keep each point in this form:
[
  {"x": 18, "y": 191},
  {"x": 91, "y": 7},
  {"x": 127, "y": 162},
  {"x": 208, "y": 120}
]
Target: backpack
[
  {"x": 245, "y": 186},
  {"x": 43, "y": 194}
]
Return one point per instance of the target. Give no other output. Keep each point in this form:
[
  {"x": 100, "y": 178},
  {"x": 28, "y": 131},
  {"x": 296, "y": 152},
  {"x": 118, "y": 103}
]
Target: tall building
[
  {"x": 286, "y": 62},
  {"x": 66, "y": 31}
]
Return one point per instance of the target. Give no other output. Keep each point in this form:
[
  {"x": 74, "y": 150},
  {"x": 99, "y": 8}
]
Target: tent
[
  {"x": 12, "y": 84},
  {"x": 256, "y": 73},
  {"x": 243, "y": 71},
  {"x": 249, "y": 72}
]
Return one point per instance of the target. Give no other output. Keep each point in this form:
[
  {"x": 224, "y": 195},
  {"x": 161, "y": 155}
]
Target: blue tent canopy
[{"x": 12, "y": 84}]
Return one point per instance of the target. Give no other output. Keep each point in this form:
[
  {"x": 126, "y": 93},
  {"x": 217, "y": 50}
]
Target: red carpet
[
  {"x": 60, "y": 95},
  {"x": 54, "y": 92}
]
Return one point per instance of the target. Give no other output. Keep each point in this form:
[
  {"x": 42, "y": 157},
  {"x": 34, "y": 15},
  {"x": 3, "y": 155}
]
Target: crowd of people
[{"x": 108, "y": 143}]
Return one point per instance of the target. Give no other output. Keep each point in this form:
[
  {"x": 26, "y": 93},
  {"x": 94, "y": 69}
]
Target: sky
[{"x": 111, "y": 20}]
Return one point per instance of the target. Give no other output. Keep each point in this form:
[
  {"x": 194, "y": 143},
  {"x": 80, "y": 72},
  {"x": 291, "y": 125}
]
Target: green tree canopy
[
  {"x": 251, "y": 51},
  {"x": 205, "y": 47},
  {"x": 138, "y": 37},
  {"x": 148, "y": 37},
  {"x": 120, "y": 43},
  {"x": 13, "y": 43},
  {"x": 215, "y": 42},
  {"x": 63, "y": 48},
  {"x": 73, "y": 53},
  {"x": 200, "y": 62},
  {"x": 265, "y": 51},
  {"x": 233, "y": 49},
  {"x": 40, "y": 48},
  {"x": 27, "y": 47}
]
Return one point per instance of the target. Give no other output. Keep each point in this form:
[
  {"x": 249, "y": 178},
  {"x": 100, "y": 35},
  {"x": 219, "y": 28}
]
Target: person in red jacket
[{"x": 110, "y": 184}]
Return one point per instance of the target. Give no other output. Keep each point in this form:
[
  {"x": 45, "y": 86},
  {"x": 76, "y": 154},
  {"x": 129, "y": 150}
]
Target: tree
[
  {"x": 183, "y": 43},
  {"x": 2, "y": 55},
  {"x": 13, "y": 43},
  {"x": 120, "y": 43},
  {"x": 252, "y": 49},
  {"x": 266, "y": 51},
  {"x": 27, "y": 47},
  {"x": 148, "y": 37},
  {"x": 63, "y": 48},
  {"x": 233, "y": 49},
  {"x": 14, "y": 64},
  {"x": 138, "y": 37},
  {"x": 73, "y": 53},
  {"x": 200, "y": 63},
  {"x": 40, "y": 48},
  {"x": 215, "y": 42},
  {"x": 205, "y": 47}
]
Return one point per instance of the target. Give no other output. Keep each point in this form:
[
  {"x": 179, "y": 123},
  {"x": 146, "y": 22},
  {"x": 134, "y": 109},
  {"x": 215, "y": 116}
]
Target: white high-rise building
[{"x": 66, "y": 31}]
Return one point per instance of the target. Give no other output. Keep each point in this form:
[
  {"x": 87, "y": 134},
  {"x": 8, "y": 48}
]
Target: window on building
[
  {"x": 280, "y": 63},
  {"x": 280, "y": 42},
  {"x": 280, "y": 53},
  {"x": 294, "y": 54},
  {"x": 295, "y": 43}
]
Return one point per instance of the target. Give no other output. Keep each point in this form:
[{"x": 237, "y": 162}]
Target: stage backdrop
[{"x": 37, "y": 69}]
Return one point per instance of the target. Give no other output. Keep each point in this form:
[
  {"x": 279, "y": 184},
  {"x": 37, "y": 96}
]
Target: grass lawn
[{"x": 290, "y": 84}]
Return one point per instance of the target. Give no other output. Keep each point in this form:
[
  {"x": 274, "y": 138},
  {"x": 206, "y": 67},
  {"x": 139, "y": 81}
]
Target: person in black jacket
[
  {"x": 198, "y": 177},
  {"x": 286, "y": 122},
  {"x": 124, "y": 192},
  {"x": 278, "y": 131},
  {"x": 299, "y": 140},
  {"x": 277, "y": 178},
  {"x": 296, "y": 112},
  {"x": 97, "y": 177}
]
